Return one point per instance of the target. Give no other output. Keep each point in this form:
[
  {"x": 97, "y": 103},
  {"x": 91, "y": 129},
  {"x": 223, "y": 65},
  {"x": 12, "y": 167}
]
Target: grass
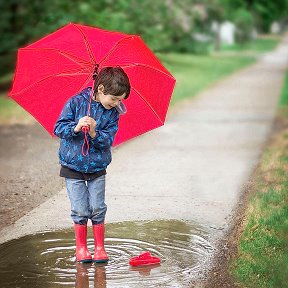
[
  {"x": 6, "y": 78},
  {"x": 257, "y": 45},
  {"x": 11, "y": 112},
  {"x": 284, "y": 95},
  {"x": 262, "y": 259},
  {"x": 195, "y": 73}
]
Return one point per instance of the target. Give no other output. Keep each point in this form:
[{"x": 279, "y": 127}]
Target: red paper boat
[{"x": 143, "y": 259}]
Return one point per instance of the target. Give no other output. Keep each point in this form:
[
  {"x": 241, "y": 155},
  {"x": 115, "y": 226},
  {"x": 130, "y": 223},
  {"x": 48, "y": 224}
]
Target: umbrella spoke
[
  {"x": 148, "y": 104},
  {"x": 131, "y": 48},
  {"x": 89, "y": 78},
  {"x": 62, "y": 74},
  {"x": 114, "y": 48},
  {"x": 88, "y": 47},
  {"x": 133, "y": 65},
  {"x": 69, "y": 56}
]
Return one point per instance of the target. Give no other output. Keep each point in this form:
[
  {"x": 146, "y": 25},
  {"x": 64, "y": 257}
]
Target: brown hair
[{"x": 114, "y": 80}]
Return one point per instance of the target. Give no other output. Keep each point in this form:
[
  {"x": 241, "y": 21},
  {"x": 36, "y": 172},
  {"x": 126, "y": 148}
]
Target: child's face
[{"x": 107, "y": 100}]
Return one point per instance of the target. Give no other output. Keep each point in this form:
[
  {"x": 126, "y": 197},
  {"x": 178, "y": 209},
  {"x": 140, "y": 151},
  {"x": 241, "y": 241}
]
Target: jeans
[{"x": 87, "y": 200}]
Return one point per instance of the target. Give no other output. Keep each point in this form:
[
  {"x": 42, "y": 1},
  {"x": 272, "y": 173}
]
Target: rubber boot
[
  {"x": 82, "y": 253},
  {"x": 100, "y": 255}
]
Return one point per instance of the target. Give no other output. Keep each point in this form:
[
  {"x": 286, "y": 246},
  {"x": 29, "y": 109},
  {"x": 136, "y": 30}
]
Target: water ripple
[{"x": 47, "y": 259}]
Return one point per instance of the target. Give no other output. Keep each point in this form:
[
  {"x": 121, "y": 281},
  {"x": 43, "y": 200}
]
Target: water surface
[{"x": 47, "y": 259}]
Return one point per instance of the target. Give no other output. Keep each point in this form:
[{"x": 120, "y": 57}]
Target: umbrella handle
[{"x": 85, "y": 129}]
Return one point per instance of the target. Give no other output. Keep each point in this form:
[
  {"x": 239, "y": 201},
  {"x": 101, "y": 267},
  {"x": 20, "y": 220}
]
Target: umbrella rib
[
  {"x": 134, "y": 64},
  {"x": 86, "y": 81},
  {"x": 114, "y": 47},
  {"x": 148, "y": 104},
  {"x": 52, "y": 75},
  {"x": 65, "y": 54},
  {"x": 147, "y": 66},
  {"x": 88, "y": 47}
]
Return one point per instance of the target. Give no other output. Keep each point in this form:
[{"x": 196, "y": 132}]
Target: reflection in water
[
  {"x": 145, "y": 270},
  {"x": 47, "y": 259},
  {"x": 100, "y": 277},
  {"x": 82, "y": 275}
]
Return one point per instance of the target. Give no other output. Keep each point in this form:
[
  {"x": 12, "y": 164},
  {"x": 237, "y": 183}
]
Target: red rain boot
[
  {"x": 100, "y": 255},
  {"x": 82, "y": 253}
]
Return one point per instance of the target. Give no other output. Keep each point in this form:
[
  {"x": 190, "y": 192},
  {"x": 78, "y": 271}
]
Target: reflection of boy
[
  {"x": 82, "y": 276},
  {"x": 85, "y": 175}
]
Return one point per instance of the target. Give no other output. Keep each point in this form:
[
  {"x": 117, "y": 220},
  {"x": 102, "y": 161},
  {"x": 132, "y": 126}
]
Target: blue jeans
[{"x": 87, "y": 200}]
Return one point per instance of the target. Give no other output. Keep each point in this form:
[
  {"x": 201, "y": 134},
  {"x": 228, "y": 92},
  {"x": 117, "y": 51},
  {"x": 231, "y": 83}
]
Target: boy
[{"x": 85, "y": 175}]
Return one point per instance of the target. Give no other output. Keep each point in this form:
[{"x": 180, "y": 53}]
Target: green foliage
[
  {"x": 268, "y": 11},
  {"x": 164, "y": 25},
  {"x": 243, "y": 19},
  {"x": 263, "y": 12}
]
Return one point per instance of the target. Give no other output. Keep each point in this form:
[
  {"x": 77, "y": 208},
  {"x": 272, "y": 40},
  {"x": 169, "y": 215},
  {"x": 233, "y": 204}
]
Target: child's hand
[
  {"x": 85, "y": 121},
  {"x": 92, "y": 125}
]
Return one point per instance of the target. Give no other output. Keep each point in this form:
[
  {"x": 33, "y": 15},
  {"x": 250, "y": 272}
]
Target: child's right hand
[{"x": 84, "y": 121}]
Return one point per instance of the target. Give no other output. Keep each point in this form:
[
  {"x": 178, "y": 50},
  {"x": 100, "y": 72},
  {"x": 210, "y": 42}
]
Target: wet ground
[
  {"x": 28, "y": 170},
  {"x": 47, "y": 259}
]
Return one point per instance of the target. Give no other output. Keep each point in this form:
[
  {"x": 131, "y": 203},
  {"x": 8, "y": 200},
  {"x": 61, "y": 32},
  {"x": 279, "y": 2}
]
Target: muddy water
[{"x": 47, "y": 259}]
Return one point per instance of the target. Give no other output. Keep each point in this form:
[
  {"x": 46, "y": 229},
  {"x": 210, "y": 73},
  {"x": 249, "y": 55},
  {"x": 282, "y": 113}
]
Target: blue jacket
[{"x": 70, "y": 151}]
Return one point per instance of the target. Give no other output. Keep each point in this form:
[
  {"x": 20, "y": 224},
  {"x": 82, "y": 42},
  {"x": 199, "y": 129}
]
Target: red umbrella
[{"x": 60, "y": 65}]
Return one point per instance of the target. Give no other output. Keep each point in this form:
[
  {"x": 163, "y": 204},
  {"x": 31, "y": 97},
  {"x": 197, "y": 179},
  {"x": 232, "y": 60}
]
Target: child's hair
[{"x": 114, "y": 80}]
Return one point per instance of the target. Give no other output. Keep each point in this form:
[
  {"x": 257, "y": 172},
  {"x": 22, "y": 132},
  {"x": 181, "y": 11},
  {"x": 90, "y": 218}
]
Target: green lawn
[
  {"x": 262, "y": 259},
  {"x": 263, "y": 251},
  {"x": 284, "y": 95},
  {"x": 195, "y": 73},
  {"x": 11, "y": 112},
  {"x": 257, "y": 45}
]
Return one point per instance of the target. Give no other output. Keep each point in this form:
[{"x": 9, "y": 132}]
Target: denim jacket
[{"x": 70, "y": 151}]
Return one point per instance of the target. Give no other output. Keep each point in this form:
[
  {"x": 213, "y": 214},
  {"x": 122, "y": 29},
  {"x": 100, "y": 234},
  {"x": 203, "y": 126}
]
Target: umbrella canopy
[{"x": 60, "y": 65}]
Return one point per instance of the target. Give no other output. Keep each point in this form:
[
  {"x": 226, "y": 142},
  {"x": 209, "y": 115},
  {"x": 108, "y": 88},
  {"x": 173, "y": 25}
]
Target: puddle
[{"x": 47, "y": 259}]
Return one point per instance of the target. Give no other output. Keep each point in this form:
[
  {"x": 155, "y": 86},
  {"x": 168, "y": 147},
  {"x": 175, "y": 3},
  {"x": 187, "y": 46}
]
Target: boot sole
[
  {"x": 85, "y": 261},
  {"x": 101, "y": 261}
]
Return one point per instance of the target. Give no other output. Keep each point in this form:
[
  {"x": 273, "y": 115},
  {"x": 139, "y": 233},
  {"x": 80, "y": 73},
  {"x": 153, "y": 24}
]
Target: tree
[{"x": 167, "y": 25}]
